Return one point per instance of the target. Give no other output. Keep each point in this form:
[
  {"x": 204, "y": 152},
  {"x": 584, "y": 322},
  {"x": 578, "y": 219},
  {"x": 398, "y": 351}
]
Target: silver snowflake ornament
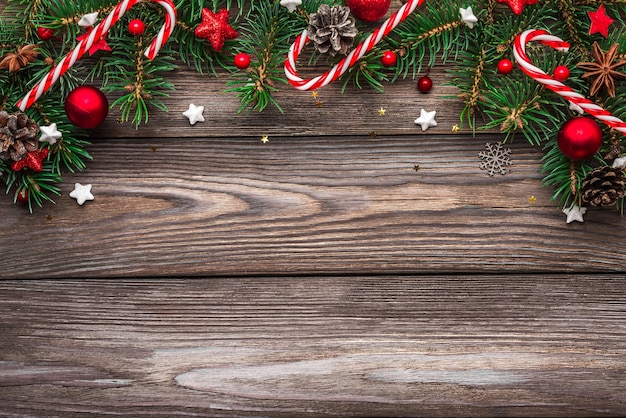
[{"x": 495, "y": 158}]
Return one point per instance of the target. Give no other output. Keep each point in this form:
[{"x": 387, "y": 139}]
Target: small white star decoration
[
  {"x": 467, "y": 17},
  {"x": 194, "y": 114},
  {"x": 50, "y": 134},
  {"x": 291, "y": 5},
  {"x": 426, "y": 119},
  {"x": 620, "y": 163},
  {"x": 88, "y": 20},
  {"x": 81, "y": 193},
  {"x": 575, "y": 213}
]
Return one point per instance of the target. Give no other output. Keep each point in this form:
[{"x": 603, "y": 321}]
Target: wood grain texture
[
  {"x": 497, "y": 345},
  {"x": 304, "y": 205}
]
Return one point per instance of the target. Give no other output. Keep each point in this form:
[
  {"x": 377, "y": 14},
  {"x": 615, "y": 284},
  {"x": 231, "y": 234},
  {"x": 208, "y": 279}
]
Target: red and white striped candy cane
[
  {"x": 83, "y": 46},
  {"x": 352, "y": 58},
  {"x": 519, "y": 51}
]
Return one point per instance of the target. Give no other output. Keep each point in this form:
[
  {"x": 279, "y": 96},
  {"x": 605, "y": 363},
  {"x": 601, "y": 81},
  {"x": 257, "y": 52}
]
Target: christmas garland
[{"x": 134, "y": 45}]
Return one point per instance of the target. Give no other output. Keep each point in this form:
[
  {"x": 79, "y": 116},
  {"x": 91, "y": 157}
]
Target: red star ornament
[
  {"x": 215, "y": 28},
  {"x": 32, "y": 160},
  {"x": 600, "y": 22},
  {"x": 518, "y": 5},
  {"x": 99, "y": 45}
]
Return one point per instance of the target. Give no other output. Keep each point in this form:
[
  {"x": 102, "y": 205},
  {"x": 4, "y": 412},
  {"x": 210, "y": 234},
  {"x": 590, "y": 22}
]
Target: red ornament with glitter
[
  {"x": 215, "y": 28},
  {"x": 32, "y": 160},
  {"x": 517, "y": 6},
  {"x": 86, "y": 107},
  {"x": 369, "y": 10},
  {"x": 580, "y": 138}
]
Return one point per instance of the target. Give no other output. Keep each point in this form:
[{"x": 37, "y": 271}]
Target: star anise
[
  {"x": 14, "y": 61},
  {"x": 603, "y": 70}
]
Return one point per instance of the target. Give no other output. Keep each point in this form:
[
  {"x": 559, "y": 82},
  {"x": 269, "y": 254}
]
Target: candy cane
[
  {"x": 101, "y": 29},
  {"x": 349, "y": 60},
  {"x": 519, "y": 51}
]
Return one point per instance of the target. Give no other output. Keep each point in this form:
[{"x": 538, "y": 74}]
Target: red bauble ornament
[
  {"x": 22, "y": 196},
  {"x": 86, "y": 107},
  {"x": 389, "y": 58},
  {"x": 505, "y": 66},
  {"x": 561, "y": 73},
  {"x": 45, "y": 34},
  {"x": 136, "y": 27},
  {"x": 369, "y": 10},
  {"x": 580, "y": 138},
  {"x": 424, "y": 84},
  {"x": 242, "y": 60}
]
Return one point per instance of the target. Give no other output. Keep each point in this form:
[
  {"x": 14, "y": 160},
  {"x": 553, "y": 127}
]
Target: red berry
[
  {"x": 424, "y": 84},
  {"x": 22, "y": 196},
  {"x": 505, "y": 66},
  {"x": 136, "y": 27},
  {"x": 242, "y": 60},
  {"x": 561, "y": 73},
  {"x": 389, "y": 58},
  {"x": 45, "y": 34}
]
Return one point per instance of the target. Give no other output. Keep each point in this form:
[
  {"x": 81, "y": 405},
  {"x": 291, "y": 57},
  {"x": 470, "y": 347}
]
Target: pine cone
[
  {"x": 18, "y": 135},
  {"x": 603, "y": 186},
  {"x": 332, "y": 29}
]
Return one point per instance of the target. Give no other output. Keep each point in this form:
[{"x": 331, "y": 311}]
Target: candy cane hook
[
  {"x": 83, "y": 46},
  {"x": 349, "y": 60},
  {"x": 519, "y": 52}
]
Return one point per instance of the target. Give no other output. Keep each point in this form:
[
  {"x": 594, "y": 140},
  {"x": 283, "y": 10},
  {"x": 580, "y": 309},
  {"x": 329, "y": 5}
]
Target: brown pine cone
[
  {"x": 332, "y": 29},
  {"x": 603, "y": 186},
  {"x": 18, "y": 135}
]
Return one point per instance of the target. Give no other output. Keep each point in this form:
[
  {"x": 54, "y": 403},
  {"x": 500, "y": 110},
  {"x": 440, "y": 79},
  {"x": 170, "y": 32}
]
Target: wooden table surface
[{"x": 317, "y": 274}]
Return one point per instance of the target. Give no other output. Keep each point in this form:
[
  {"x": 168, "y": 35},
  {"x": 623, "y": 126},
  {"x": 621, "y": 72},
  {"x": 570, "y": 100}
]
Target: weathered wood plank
[
  {"x": 491, "y": 345},
  {"x": 304, "y": 205}
]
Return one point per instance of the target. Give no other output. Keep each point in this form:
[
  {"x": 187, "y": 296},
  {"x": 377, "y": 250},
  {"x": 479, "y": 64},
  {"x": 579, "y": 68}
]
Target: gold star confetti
[
  {"x": 532, "y": 199},
  {"x": 48, "y": 218},
  {"x": 315, "y": 94},
  {"x": 416, "y": 167},
  {"x": 455, "y": 128},
  {"x": 373, "y": 134},
  {"x": 153, "y": 148},
  {"x": 381, "y": 111},
  {"x": 265, "y": 139},
  {"x": 319, "y": 103}
]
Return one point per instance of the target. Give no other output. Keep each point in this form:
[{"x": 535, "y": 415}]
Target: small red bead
[
  {"x": 505, "y": 66},
  {"x": 136, "y": 27},
  {"x": 561, "y": 73},
  {"x": 424, "y": 84},
  {"x": 242, "y": 60},
  {"x": 45, "y": 34},
  {"x": 22, "y": 196},
  {"x": 389, "y": 58}
]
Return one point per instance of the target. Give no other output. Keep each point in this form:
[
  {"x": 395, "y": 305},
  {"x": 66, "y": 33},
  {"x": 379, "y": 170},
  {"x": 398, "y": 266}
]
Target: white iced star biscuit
[
  {"x": 426, "y": 119},
  {"x": 467, "y": 16},
  {"x": 575, "y": 213},
  {"x": 88, "y": 20},
  {"x": 50, "y": 134},
  {"x": 81, "y": 193},
  {"x": 291, "y": 5},
  {"x": 194, "y": 114}
]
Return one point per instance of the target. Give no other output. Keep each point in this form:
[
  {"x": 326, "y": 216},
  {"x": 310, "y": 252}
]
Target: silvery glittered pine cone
[
  {"x": 18, "y": 135},
  {"x": 603, "y": 186},
  {"x": 332, "y": 29}
]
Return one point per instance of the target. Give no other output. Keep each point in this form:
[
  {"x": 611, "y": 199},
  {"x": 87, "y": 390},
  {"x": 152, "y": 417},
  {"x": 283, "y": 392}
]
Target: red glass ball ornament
[
  {"x": 136, "y": 27},
  {"x": 580, "y": 138},
  {"x": 45, "y": 34},
  {"x": 505, "y": 66},
  {"x": 389, "y": 58},
  {"x": 242, "y": 60},
  {"x": 561, "y": 73},
  {"x": 22, "y": 196},
  {"x": 424, "y": 84},
  {"x": 86, "y": 107},
  {"x": 369, "y": 10}
]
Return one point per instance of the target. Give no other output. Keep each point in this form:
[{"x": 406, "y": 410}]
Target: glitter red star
[
  {"x": 600, "y": 22},
  {"x": 518, "y": 5},
  {"x": 32, "y": 160},
  {"x": 215, "y": 28},
  {"x": 99, "y": 45}
]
